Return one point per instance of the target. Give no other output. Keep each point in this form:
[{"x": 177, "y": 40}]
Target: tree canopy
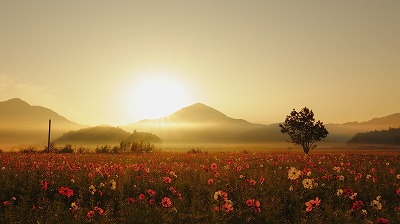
[{"x": 303, "y": 129}]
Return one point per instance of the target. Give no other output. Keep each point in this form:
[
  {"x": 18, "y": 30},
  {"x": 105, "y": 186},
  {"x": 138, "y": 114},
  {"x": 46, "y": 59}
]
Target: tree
[{"x": 303, "y": 129}]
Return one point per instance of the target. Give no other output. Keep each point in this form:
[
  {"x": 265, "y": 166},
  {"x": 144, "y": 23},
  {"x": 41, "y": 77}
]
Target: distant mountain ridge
[
  {"x": 195, "y": 123},
  {"x": 21, "y": 123},
  {"x": 201, "y": 123},
  {"x": 24, "y": 124}
]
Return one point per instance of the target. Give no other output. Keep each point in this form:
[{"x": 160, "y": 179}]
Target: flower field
[{"x": 200, "y": 188}]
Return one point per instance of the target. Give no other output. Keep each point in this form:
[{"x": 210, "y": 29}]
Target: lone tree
[{"x": 303, "y": 130}]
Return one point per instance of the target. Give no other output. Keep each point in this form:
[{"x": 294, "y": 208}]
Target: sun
[{"x": 155, "y": 96}]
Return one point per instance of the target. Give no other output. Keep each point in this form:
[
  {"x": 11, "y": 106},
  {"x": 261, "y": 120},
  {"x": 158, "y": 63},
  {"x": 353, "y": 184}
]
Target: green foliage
[{"x": 303, "y": 129}]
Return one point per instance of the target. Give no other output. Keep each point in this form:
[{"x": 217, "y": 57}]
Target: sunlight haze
[{"x": 118, "y": 62}]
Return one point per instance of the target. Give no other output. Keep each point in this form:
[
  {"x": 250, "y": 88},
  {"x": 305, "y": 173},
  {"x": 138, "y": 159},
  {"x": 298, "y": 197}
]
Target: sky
[{"x": 117, "y": 62}]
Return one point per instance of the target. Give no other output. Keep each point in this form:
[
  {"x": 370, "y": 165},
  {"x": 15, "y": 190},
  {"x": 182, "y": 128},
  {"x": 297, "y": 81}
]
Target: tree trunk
[{"x": 306, "y": 149}]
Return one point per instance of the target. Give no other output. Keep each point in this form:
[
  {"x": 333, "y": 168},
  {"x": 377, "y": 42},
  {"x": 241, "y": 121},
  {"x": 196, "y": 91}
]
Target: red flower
[
  {"x": 250, "y": 202},
  {"x": 167, "y": 180},
  {"x": 166, "y": 202},
  {"x": 398, "y": 191},
  {"x": 210, "y": 181},
  {"x": 357, "y": 205},
  {"x": 66, "y": 191},
  {"x": 44, "y": 185},
  {"x": 131, "y": 200},
  {"x": 382, "y": 221},
  {"x": 312, "y": 204},
  {"x": 99, "y": 210},
  {"x": 151, "y": 192},
  {"x": 141, "y": 196},
  {"x": 151, "y": 201},
  {"x": 90, "y": 214}
]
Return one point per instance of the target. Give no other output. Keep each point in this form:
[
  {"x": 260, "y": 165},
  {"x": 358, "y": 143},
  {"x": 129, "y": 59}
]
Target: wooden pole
[{"x": 48, "y": 138}]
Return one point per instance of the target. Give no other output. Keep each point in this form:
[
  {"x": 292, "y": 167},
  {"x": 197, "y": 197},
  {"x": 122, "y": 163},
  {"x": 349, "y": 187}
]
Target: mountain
[
  {"x": 194, "y": 124},
  {"x": 23, "y": 124},
  {"x": 201, "y": 123},
  {"x": 343, "y": 132}
]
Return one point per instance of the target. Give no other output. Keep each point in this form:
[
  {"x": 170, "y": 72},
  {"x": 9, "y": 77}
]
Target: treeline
[
  {"x": 125, "y": 146},
  {"x": 390, "y": 137}
]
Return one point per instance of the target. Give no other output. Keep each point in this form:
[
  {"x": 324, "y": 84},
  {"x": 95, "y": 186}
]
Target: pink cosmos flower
[{"x": 166, "y": 202}]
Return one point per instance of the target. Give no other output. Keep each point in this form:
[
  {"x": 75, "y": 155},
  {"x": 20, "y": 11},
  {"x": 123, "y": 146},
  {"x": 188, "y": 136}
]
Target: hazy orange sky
[{"x": 116, "y": 62}]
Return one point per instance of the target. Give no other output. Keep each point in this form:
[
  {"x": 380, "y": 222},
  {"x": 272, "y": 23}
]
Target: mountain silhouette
[
  {"x": 23, "y": 124},
  {"x": 194, "y": 124},
  {"x": 201, "y": 123}
]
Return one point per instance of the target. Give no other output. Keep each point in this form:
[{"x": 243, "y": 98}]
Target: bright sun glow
[{"x": 156, "y": 96}]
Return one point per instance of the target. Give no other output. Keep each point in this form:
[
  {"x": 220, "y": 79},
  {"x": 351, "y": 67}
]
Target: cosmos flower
[
  {"x": 166, "y": 202},
  {"x": 75, "y": 205},
  {"x": 382, "y": 221},
  {"x": 92, "y": 189},
  {"x": 99, "y": 210},
  {"x": 90, "y": 214},
  {"x": 151, "y": 192},
  {"x": 312, "y": 204},
  {"x": 293, "y": 173},
  {"x": 213, "y": 166},
  {"x": 307, "y": 183},
  {"x": 228, "y": 206},
  {"x": 44, "y": 185},
  {"x": 167, "y": 180},
  {"x": 65, "y": 191},
  {"x": 376, "y": 205},
  {"x": 250, "y": 202},
  {"x": 220, "y": 194},
  {"x": 113, "y": 184},
  {"x": 357, "y": 205}
]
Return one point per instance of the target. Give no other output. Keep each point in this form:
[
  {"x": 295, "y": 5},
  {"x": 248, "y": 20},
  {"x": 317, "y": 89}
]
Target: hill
[
  {"x": 202, "y": 124},
  {"x": 387, "y": 137},
  {"x": 24, "y": 124},
  {"x": 103, "y": 135},
  {"x": 194, "y": 124}
]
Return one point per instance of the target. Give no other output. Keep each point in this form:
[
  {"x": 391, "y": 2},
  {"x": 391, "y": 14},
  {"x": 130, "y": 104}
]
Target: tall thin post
[{"x": 48, "y": 138}]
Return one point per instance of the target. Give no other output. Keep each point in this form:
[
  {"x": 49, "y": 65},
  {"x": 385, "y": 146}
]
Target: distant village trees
[{"x": 303, "y": 129}]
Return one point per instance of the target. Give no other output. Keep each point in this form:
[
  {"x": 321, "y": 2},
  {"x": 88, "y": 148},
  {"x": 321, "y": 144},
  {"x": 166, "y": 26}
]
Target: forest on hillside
[{"x": 390, "y": 137}]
